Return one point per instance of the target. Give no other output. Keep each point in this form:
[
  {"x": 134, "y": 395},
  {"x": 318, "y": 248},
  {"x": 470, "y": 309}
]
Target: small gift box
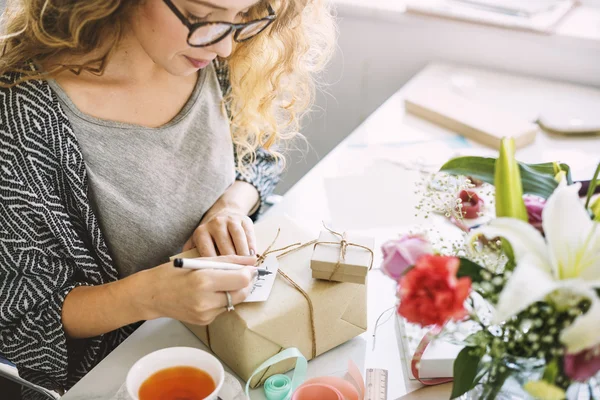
[{"x": 341, "y": 257}]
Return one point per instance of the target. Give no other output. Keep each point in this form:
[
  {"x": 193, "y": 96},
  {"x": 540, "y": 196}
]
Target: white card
[{"x": 263, "y": 284}]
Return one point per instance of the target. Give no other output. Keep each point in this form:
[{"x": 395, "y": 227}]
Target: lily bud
[
  {"x": 507, "y": 180},
  {"x": 595, "y": 208}
]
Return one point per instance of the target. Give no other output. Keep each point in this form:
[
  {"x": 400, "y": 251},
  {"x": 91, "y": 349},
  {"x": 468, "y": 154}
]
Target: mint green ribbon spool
[
  {"x": 278, "y": 387},
  {"x": 281, "y": 387}
]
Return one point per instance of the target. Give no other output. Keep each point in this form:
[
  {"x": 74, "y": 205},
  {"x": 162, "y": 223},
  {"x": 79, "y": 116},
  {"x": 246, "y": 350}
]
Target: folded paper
[
  {"x": 311, "y": 315},
  {"x": 342, "y": 257}
]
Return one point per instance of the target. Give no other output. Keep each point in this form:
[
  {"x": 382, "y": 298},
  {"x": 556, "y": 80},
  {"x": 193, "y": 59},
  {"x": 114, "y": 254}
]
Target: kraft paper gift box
[
  {"x": 254, "y": 332},
  {"x": 333, "y": 263}
]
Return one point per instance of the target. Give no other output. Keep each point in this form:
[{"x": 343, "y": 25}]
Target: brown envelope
[{"x": 246, "y": 337}]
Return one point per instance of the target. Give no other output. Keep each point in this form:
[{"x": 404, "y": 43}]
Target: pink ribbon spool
[
  {"x": 317, "y": 391},
  {"x": 333, "y": 388}
]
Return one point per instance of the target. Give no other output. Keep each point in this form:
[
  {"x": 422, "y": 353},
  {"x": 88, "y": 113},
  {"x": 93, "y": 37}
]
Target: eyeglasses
[{"x": 203, "y": 34}]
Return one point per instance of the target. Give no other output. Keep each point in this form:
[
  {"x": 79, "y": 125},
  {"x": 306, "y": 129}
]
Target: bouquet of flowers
[{"x": 535, "y": 263}]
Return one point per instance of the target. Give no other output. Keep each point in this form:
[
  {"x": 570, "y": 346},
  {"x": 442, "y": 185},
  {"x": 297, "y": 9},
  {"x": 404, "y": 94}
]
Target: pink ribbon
[
  {"x": 333, "y": 388},
  {"x": 416, "y": 360}
]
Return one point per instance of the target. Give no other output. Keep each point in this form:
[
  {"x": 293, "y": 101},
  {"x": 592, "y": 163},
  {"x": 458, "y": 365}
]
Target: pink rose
[
  {"x": 401, "y": 254},
  {"x": 584, "y": 365},
  {"x": 535, "y": 205}
]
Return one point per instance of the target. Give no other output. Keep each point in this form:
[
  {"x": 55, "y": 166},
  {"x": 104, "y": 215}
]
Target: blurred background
[{"x": 384, "y": 43}]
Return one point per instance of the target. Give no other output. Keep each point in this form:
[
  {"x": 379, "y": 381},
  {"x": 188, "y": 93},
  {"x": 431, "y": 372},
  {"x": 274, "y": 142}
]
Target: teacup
[{"x": 173, "y": 357}]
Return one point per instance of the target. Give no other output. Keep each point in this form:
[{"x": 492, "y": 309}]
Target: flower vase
[{"x": 502, "y": 387}]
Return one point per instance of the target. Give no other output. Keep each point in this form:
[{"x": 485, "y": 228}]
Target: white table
[{"x": 307, "y": 201}]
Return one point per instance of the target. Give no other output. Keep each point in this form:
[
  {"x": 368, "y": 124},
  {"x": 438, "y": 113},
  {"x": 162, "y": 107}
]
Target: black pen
[{"x": 194, "y": 263}]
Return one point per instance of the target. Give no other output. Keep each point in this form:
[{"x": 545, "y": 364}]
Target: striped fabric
[{"x": 50, "y": 240}]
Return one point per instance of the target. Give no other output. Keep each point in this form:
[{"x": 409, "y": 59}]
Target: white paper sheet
[
  {"x": 383, "y": 196},
  {"x": 263, "y": 284}
]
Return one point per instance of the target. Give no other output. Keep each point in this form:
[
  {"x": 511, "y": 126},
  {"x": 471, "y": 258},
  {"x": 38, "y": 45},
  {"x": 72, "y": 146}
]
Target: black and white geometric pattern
[{"x": 50, "y": 241}]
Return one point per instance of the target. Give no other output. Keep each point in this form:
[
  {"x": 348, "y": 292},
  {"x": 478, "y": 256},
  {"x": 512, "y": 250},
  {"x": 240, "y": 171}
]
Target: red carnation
[{"x": 430, "y": 293}]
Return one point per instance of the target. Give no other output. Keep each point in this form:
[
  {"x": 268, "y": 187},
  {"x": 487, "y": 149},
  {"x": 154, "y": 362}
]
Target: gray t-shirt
[{"x": 151, "y": 186}]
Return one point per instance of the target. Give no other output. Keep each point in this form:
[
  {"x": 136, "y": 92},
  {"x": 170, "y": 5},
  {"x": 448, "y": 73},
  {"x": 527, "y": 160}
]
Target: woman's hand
[
  {"x": 224, "y": 232},
  {"x": 195, "y": 296},
  {"x": 226, "y": 228}
]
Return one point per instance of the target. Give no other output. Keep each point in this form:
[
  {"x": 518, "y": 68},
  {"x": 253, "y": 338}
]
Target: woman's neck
[{"x": 128, "y": 64}]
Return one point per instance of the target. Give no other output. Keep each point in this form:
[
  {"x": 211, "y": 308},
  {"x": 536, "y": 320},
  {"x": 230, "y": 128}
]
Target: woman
[{"x": 132, "y": 130}]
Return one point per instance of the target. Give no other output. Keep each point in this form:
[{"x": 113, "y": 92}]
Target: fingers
[
  {"x": 218, "y": 304},
  {"x": 241, "y": 260},
  {"x": 238, "y": 235},
  {"x": 188, "y": 245},
  {"x": 226, "y": 235},
  {"x": 237, "y": 297},
  {"x": 223, "y": 240},
  {"x": 248, "y": 227},
  {"x": 204, "y": 243},
  {"x": 221, "y": 281}
]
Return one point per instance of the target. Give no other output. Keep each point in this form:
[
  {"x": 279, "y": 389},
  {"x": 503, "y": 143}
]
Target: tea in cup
[{"x": 177, "y": 373}]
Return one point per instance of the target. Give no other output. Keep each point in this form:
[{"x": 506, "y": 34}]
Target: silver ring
[{"x": 229, "y": 303}]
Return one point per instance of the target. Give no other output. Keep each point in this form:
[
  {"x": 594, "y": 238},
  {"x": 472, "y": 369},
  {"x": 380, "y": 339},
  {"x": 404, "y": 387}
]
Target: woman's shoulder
[
  {"x": 29, "y": 107},
  {"x": 24, "y": 90},
  {"x": 34, "y": 131}
]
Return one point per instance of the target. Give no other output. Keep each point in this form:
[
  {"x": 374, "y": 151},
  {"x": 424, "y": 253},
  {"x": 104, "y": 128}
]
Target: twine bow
[{"x": 343, "y": 243}]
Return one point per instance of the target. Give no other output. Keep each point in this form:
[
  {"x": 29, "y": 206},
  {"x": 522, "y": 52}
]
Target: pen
[{"x": 192, "y": 263}]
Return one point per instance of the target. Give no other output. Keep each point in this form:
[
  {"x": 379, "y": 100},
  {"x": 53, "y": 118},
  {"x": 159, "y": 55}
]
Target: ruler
[{"x": 377, "y": 384}]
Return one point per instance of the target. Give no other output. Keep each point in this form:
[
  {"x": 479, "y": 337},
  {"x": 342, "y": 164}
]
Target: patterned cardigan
[{"x": 50, "y": 240}]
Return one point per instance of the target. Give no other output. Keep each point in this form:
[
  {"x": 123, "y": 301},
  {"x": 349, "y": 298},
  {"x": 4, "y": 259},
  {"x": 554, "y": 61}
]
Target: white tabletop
[{"x": 307, "y": 202}]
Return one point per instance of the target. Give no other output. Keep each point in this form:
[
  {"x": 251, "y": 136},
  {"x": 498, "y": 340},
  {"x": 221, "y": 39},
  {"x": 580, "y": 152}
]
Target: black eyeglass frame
[{"x": 232, "y": 27}]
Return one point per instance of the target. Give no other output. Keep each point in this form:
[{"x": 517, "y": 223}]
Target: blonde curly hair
[{"x": 273, "y": 77}]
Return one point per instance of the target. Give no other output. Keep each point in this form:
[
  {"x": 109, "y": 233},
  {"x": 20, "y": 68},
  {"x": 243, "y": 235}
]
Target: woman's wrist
[
  {"x": 143, "y": 289},
  {"x": 89, "y": 311},
  {"x": 241, "y": 198}
]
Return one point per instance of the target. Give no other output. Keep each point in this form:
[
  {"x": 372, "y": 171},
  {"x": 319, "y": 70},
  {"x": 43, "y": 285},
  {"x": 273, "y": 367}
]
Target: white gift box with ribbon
[{"x": 438, "y": 359}]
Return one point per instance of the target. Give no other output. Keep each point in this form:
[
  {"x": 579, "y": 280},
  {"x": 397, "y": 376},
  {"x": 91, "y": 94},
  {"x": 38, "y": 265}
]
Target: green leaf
[
  {"x": 551, "y": 371},
  {"x": 477, "y": 339},
  {"x": 510, "y": 254},
  {"x": 547, "y": 169},
  {"x": 595, "y": 208},
  {"x": 593, "y": 183},
  {"x": 470, "y": 269},
  {"x": 537, "y": 179},
  {"x": 539, "y": 183},
  {"x": 465, "y": 371}
]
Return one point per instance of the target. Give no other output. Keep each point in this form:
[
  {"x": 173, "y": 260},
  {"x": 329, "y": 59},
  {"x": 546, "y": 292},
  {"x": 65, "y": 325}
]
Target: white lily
[{"x": 566, "y": 263}]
